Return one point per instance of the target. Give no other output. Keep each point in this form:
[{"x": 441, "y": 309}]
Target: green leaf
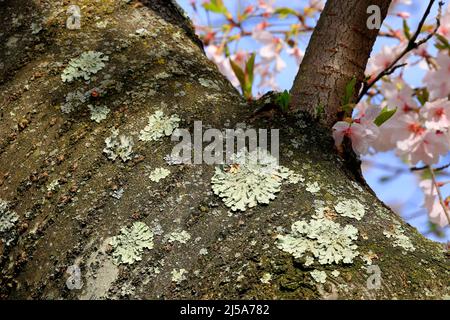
[
  {"x": 249, "y": 68},
  {"x": 238, "y": 72},
  {"x": 216, "y": 6},
  {"x": 384, "y": 116},
  {"x": 283, "y": 100},
  {"x": 422, "y": 95},
  {"x": 349, "y": 91},
  {"x": 443, "y": 42},
  {"x": 406, "y": 29},
  {"x": 284, "y": 12}
]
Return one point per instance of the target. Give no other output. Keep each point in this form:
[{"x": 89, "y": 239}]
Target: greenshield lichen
[
  {"x": 321, "y": 239},
  {"x": 159, "y": 125},
  {"x": 129, "y": 245},
  {"x": 254, "y": 177},
  {"x": 87, "y": 64}
]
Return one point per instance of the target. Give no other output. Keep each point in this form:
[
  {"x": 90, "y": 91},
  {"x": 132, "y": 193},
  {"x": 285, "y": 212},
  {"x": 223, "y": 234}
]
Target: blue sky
[{"x": 401, "y": 192}]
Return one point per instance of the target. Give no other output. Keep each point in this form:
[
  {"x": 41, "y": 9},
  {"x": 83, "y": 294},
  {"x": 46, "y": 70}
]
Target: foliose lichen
[
  {"x": 350, "y": 208},
  {"x": 118, "y": 146},
  {"x": 254, "y": 177},
  {"x": 129, "y": 245},
  {"x": 179, "y": 236},
  {"x": 321, "y": 239},
  {"x": 178, "y": 275},
  {"x": 159, "y": 125},
  {"x": 87, "y": 64},
  {"x": 313, "y": 187},
  {"x": 319, "y": 276},
  {"x": 158, "y": 174},
  {"x": 399, "y": 239},
  {"x": 73, "y": 100},
  {"x": 8, "y": 220},
  {"x": 98, "y": 113}
]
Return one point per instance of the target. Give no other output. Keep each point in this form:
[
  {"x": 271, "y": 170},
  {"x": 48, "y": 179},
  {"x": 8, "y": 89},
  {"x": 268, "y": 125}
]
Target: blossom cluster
[{"x": 417, "y": 129}]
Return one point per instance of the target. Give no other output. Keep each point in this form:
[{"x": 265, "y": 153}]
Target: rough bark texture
[
  {"x": 338, "y": 51},
  {"x": 165, "y": 70}
]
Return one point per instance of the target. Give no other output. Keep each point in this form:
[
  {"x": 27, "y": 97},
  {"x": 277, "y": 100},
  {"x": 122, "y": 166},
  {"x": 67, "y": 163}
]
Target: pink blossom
[
  {"x": 444, "y": 29},
  {"x": 218, "y": 57},
  {"x": 267, "y": 6},
  {"x": 432, "y": 203},
  {"x": 398, "y": 95},
  {"x": 437, "y": 80},
  {"x": 383, "y": 59},
  {"x": 360, "y": 135},
  {"x": 296, "y": 53},
  {"x": 272, "y": 47},
  {"x": 437, "y": 214},
  {"x": 436, "y": 114},
  {"x": 430, "y": 192},
  {"x": 423, "y": 145}
]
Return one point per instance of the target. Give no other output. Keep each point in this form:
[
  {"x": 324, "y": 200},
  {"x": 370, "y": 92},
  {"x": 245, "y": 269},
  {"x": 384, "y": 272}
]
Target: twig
[
  {"x": 426, "y": 167},
  {"x": 441, "y": 199},
  {"x": 412, "y": 45}
]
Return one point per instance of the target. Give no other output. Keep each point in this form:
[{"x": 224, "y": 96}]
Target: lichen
[
  {"x": 254, "y": 177},
  {"x": 323, "y": 239},
  {"x": 350, "y": 208},
  {"x": 335, "y": 273},
  {"x": 159, "y": 125},
  {"x": 179, "y": 236},
  {"x": 178, "y": 275},
  {"x": 129, "y": 245},
  {"x": 158, "y": 174},
  {"x": 98, "y": 113},
  {"x": 319, "y": 276},
  {"x": 313, "y": 187},
  {"x": 73, "y": 100},
  {"x": 87, "y": 64},
  {"x": 118, "y": 146},
  {"x": 8, "y": 218},
  {"x": 266, "y": 278},
  {"x": 400, "y": 239}
]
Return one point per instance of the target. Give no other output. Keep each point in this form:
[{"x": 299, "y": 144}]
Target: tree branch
[{"x": 412, "y": 45}]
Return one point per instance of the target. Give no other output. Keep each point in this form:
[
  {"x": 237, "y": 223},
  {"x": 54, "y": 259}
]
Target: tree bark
[
  {"x": 337, "y": 52},
  {"x": 164, "y": 69}
]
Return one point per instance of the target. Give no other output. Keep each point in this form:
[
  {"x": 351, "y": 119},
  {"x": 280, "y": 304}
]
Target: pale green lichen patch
[
  {"x": 313, "y": 187},
  {"x": 321, "y": 239},
  {"x": 8, "y": 220},
  {"x": 129, "y": 245},
  {"x": 73, "y": 100},
  {"x": 335, "y": 273},
  {"x": 319, "y": 276},
  {"x": 159, "y": 125},
  {"x": 87, "y": 64},
  {"x": 159, "y": 174},
  {"x": 254, "y": 177},
  {"x": 266, "y": 278},
  {"x": 399, "y": 239},
  {"x": 118, "y": 146},
  {"x": 179, "y": 236},
  {"x": 350, "y": 208},
  {"x": 178, "y": 275},
  {"x": 98, "y": 113}
]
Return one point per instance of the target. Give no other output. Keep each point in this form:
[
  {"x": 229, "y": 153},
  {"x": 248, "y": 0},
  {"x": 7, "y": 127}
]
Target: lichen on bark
[{"x": 69, "y": 225}]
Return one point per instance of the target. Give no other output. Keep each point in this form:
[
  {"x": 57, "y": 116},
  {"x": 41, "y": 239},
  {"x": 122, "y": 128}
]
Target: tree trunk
[
  {"x": 337, "y": 52},
  {"x": 68, "y": 223}
]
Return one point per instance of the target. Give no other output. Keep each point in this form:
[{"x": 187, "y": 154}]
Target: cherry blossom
[
  {"x": 437, "y": 80},
  {"x": 383, "y": 59},
  {"x": 437, "y": 114},
  {"x": 360, "y": 134}
]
